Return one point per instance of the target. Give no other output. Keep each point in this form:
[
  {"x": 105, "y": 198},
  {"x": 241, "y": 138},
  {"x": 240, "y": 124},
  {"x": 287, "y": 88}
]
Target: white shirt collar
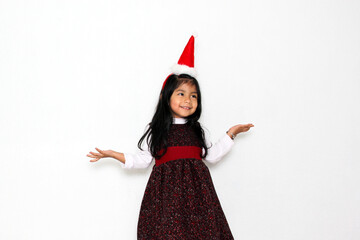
[{"x": 179, "y": 120}]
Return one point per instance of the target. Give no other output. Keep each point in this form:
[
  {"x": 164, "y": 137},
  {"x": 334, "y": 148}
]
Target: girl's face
[{"x": 183, "y": 101}]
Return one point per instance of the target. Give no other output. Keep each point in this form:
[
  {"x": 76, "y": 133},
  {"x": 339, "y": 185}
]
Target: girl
[{"x": 180, "y": 201}]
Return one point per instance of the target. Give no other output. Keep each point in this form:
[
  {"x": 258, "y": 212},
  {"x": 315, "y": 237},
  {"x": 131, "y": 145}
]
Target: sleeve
[
  {"x": 219, "y": 149},
  {"x": 142, "y": 159}
]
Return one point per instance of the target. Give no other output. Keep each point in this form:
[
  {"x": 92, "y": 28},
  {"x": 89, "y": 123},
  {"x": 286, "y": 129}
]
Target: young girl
[{"x": 180, "y": 201}]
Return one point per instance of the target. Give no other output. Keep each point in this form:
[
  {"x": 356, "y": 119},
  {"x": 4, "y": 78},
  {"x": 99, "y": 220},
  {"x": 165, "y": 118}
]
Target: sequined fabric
[{"x": 180, "y": 201}]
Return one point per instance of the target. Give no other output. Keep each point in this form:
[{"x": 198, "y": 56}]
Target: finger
[
  {"x": 99, "y": 150},
  {"x": 94, "y": 160},
  {"x": 247, "y": 127},
  {"x": 96, "y": 154}
]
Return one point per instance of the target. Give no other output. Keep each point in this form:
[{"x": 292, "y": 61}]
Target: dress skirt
[{"x": 180, "y": 202}]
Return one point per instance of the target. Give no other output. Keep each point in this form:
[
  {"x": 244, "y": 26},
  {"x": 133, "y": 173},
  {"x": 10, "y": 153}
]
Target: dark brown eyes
[{"x": 182, "y": 94}]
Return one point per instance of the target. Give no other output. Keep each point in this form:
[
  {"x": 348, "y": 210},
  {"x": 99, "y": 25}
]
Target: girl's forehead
[{"x": 187, "y": 85}]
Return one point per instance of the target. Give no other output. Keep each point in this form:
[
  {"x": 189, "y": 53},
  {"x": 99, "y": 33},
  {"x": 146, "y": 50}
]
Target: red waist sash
[{"x": 180, "y": 152}]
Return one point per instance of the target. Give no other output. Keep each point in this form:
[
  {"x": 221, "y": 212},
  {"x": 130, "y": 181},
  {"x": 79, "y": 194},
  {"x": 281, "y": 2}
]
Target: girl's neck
[{"x": 179, "y": 120}]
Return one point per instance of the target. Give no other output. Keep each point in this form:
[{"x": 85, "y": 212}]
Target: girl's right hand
[{"x": 100, "y": 154}]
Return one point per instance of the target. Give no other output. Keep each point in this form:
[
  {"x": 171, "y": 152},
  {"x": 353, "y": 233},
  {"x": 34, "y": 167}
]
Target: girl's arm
[
  {"x": 128, "y": 160},
  {"x": 140, "y": 160},
  {"x": 223, "y": 146},
  {"x": 219, "y": 149}
]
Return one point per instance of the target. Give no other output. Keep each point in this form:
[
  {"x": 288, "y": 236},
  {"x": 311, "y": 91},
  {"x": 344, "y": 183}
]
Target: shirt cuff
[
  {"x": 227, "y": 140},
  {"x": 129, "y": 163}
]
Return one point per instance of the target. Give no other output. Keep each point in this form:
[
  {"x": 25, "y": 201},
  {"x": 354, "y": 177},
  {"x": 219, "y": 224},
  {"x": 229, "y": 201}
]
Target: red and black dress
[{"x": 180, "y": 201}]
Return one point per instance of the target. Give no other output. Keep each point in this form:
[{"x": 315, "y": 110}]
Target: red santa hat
[{"x": 185, "y": 64}]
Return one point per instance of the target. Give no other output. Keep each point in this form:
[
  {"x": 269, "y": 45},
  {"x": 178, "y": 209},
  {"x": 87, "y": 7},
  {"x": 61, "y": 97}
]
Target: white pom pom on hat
[{"x": 185, "y": 65}]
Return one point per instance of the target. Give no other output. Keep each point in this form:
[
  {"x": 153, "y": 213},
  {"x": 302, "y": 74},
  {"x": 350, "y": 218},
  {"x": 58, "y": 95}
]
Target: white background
[{"x": 75, "y": 75}]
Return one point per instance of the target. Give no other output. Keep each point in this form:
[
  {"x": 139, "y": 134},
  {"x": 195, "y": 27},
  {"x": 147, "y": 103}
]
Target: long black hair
[{"x": 156, "y": 134}]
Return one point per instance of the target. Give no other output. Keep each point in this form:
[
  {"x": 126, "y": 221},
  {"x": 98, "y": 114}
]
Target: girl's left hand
[{"x": 239, "y": 128}]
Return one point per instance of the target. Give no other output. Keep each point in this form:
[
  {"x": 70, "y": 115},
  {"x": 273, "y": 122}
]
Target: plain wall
[{"x": 75, "y": 75}]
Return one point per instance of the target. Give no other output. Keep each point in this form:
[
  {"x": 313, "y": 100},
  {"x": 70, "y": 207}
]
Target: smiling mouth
[{"x": 186, "y": 108}]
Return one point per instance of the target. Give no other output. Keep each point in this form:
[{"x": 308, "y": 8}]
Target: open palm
[
  {"x": 100, "y": 154},
  {"x": 240, "y": 128}
]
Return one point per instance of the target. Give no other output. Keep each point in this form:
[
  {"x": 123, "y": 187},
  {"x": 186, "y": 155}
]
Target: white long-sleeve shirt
[{"x": 215, "y": 152}]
